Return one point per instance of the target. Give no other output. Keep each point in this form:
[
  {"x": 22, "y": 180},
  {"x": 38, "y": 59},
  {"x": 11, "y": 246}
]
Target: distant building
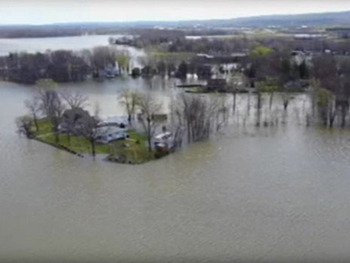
[
  {"x": 299, "y": 56},
  {"x": 308, "y": 36}
]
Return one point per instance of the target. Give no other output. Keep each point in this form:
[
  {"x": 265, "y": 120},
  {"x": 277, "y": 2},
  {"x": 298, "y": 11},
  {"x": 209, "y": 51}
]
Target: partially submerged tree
[
  {"x": 270, "y": 86},
  {"x": 236, "y": 82},
  {"x": 33, "y": 106},
  {"x": 24, "y": 125},
  {"x": 325, "y": 101},
  {"x": 149, "y": 109},
  {"x": 123, "y": 60},
  {"x": 199, "y": 115},
  {"x": 325, "y": 70},
  {"x": 343, "y": 96},
  {"x": 259, "y": 90},
  {"x": 333, "y": 75},
  {"x": 129, "y": 100},
  {"x": 285, "y": 99}
]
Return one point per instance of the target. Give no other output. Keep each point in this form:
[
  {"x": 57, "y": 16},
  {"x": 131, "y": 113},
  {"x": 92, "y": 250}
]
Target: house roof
[
  {"x": 107, "y": 130},
  {"x": 114, "y": 120}
]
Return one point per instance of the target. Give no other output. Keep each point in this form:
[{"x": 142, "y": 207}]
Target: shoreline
[{"x": 58, "y": 146}]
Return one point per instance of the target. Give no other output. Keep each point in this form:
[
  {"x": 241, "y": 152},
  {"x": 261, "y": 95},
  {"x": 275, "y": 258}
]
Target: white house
[
  {"x": 108, "y": 134},
  {"x": 114, "y": 121}
]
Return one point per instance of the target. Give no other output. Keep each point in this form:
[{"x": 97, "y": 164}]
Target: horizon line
[{"x": 175, "y": 20}]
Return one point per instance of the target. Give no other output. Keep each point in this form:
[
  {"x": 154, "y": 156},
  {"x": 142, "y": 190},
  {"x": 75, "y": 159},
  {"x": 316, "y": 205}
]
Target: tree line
[{"x": 61, "y": 65}]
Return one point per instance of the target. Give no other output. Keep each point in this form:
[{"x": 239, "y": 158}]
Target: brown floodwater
[{"x": 273, "y": 193}]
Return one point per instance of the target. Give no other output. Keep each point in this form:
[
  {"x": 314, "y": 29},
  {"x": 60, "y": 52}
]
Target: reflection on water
[{"x": 280, "y": 192}]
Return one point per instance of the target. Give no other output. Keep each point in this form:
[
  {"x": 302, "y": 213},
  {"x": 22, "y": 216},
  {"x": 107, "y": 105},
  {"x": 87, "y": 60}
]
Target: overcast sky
[{"x": 53, "y": 11}]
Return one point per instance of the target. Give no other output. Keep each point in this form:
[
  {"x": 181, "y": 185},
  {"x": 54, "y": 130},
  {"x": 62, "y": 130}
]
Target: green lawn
[
  {"x": 165, "y": 55},
  {"x": 76, "y": 143},
  {"x": 132, "y": 150},
  {"x": 44, "y": 127},
  {"x": 195, "y": 90}
]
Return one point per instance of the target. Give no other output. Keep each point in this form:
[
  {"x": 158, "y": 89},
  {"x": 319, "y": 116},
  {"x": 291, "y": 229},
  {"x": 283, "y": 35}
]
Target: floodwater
[
  {"x": 273, "y": 193},
  {"x": 75, "y": 43},
  {"x": 32, "y": 45}
]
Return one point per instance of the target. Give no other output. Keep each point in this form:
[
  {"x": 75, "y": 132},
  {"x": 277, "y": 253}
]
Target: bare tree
[
  {"x": 342, "y": 103},
  {"x": 129, "y": 100},
  {"x": 315, "y": 86},
  {"x": 326, "y": 71},
  {"x": 199, "y": 116},
  {"x": 178, "y": 135},
  {"x": 177, "y": 125},
  {"x": 237, "y": 81},
  {"x": 233, "y": 86},
  {"x": 52, "y": 107},
  {"x": 33, "y": 106},
  {"x": 343, "y": 98},
  {"x": 74, "y": 99},
  {"x": 269, "y": 86},
  {"x": 258, "y": 105},
  {"x": 88, "y": 130},
  {"x": 325, "y": 100},
  {"x": 149, "y": 108},
  {"x": 221, "y": 110},
  {"x": 332, "y": 111},
  {"x": 24, "y": 125},
  {"x": 71, "y": 119},
  {"x": 285, "y": 98}
]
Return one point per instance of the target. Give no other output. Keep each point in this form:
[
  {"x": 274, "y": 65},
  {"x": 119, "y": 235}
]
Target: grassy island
[{"x": 132, "y": 150}]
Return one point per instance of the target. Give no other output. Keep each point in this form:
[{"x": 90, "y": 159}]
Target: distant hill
[
  {"x": 311, "y": 19},
  {"x": 318, "y": 19},
  {"x": 68, "y": 29}
]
